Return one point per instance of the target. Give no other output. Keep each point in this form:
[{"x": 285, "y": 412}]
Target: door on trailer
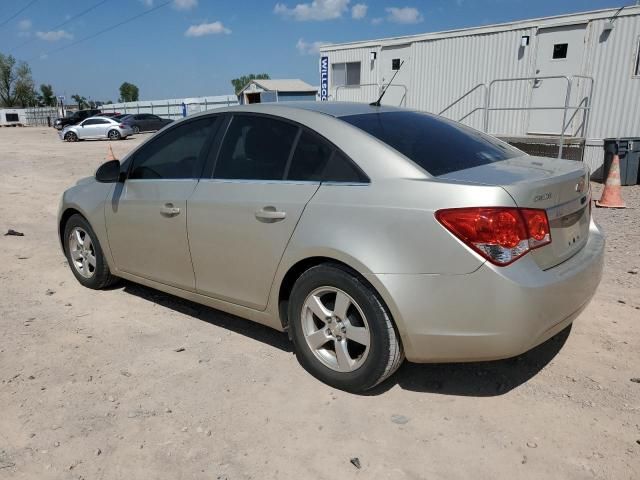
[
  {"x": 391, "y": 58},
  {"x": 559, "y": 51}
]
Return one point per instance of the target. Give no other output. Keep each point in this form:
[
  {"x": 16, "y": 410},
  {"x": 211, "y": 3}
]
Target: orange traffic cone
[
  {"x": 612, "y": 193},
  {"x": 110, "y": 155}
]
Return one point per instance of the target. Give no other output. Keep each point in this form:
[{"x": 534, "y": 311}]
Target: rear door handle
[
  {"x": 169, "y": 210},
  {"x": 270, "y": 214}
]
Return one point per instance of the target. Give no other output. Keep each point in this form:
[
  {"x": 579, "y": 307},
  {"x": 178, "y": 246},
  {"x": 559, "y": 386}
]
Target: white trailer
[
  {"x": 11, "y": 117},
  {"x": 552, "y": 85}
]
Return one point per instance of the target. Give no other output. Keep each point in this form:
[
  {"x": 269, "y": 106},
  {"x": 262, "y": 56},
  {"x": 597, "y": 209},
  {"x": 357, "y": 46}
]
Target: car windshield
[{"x": 437, "y": 145}]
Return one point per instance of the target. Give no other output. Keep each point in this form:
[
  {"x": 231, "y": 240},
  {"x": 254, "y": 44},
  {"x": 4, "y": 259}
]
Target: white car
[{"x": 96, "y": 128}]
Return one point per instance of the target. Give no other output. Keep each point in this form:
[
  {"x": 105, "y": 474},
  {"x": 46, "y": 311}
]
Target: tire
[
  {"x": 347, "y": 330},
  {"x": 114, "y": 135},
  {"x": 92, "y": 274},
  {"x": 136, "y": 129},
  {"x": 71, "y": 137}
]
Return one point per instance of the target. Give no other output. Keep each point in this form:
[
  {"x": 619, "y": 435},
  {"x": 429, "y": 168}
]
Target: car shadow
[
  {"x": 211, "y": 315},
  {"x": 477, "y": 379}
]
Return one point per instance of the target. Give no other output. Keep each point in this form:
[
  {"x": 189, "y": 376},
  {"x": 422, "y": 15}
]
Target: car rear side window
[
  {"x": 176, "y": 154},
  {"x": 315, "y": 159},
  {"x": 310, "y": 158},
  {"x": 255, "y": 148},
  {"x": 341, "y": 169},
  {"x": 437, "y": 145}
]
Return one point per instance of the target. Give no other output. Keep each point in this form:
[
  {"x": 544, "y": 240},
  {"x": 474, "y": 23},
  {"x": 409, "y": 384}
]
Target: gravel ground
[{"x": 94, "y": 385}]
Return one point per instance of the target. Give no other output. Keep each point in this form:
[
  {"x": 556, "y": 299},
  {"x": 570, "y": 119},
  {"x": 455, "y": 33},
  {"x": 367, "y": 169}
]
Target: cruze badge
[{"x": 544, "y": 196}]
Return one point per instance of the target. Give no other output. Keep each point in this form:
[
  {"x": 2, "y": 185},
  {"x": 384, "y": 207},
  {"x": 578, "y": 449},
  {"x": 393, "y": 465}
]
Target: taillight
[
  {"x": 122, "y": 125},
  {"x": 499, "y": 234}
]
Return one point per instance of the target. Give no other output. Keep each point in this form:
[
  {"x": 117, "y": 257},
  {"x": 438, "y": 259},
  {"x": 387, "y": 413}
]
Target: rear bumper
[{"x": 494, "y": 312}]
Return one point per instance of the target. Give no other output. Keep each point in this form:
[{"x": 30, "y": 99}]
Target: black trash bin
[{"x": 628, "y": 150}]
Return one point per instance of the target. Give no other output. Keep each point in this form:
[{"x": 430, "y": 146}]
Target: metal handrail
[
  {"x": 465, "y": 96},
  {"x": 355, "y": 86},
  {"x": 404, "y": 97},
  {"x": 565, "y": 108},
  {"x": 588, "y": 103},
  {"x": 470, "y": 113},
  {"x": 578, "y": 109}
]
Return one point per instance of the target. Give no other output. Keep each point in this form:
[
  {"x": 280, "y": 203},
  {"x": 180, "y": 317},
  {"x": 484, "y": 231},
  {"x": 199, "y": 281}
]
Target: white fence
[
  {"x": 172, "y": 108},
  {"x": 41, "y": 116}
]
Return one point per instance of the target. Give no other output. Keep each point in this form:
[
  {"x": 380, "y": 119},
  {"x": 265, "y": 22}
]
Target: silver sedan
[
  {"x": 96, "y": 128},
  {"x": 368, "y": 234}
]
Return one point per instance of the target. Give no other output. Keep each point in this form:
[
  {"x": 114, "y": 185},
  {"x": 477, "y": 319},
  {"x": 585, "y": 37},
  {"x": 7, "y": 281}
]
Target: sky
[{"x": 190, "y": 48}]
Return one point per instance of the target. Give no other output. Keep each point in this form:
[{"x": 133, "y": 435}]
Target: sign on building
[{"x": 324, "y": 79}]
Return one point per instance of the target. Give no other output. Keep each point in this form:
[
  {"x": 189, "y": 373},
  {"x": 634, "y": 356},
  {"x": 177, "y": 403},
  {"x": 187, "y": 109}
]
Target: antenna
[{"x": 377, "y": 102}]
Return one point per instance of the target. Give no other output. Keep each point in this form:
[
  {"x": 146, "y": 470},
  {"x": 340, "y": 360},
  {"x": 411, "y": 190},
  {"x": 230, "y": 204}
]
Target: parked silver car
[
  {"x": 95, "y": 128},
  {"x": 367, "y": 233}
]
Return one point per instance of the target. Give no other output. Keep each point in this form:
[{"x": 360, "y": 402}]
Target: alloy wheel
[
  {"x": 136, "y": 129},
  {"x": 336, "y": 329},
  {"x": 114, "y": 135},
  {"x": 82, "y": 252}
]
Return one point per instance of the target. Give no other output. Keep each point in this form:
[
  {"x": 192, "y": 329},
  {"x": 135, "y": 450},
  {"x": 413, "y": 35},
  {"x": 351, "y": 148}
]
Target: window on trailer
[
  {"x": 345, "y": 74},
  {"x": 560, "y": 51}
]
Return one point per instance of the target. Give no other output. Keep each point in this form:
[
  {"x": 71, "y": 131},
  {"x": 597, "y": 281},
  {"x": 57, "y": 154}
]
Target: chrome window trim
[
  {"x": 135, "y": 180},
  {"x": 291, "y": 182}
]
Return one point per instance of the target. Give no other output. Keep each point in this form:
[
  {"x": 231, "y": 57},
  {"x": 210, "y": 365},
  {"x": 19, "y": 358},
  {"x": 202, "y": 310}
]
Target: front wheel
[
  {"x": 136, "y": 129},
  {"x": 342, "y": 332},
  {"x": 71, "y": 137},
  {"x": 84, "y": 254}
]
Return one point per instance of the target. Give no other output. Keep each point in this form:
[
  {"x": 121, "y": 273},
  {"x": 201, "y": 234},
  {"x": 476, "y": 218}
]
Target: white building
[
  {"x": 12, "y": 116},
  {"x": 496, "y": 78},
  {"x": 279, "y": 90}
]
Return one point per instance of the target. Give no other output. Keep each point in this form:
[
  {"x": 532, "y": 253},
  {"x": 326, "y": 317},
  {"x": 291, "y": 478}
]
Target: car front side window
[
  {"x": 255, "y": 148},
  {"x": 177, "y": 154}
]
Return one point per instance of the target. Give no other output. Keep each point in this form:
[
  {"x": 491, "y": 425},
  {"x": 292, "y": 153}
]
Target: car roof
[
  {"x": 332, "y": 109},
  {"x": 339, "y": 109},
  {"x": 101, "y": 117}
]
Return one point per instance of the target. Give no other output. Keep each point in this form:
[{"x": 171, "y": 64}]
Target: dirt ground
[{"x": 92, "y": 386}]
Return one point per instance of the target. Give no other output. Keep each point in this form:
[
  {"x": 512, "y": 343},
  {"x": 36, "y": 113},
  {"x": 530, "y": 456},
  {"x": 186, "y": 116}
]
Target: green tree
[
  {"x": 16, "y": 83},
  {"x": 47, "y": 97},
  {"x": 81, "y": 101},
  {"x": 128, "y": 92},
  {"x": 239, "y": 83}
]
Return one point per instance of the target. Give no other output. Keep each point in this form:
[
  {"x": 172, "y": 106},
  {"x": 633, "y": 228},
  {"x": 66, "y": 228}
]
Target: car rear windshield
[{"x": 437, "y": 145}]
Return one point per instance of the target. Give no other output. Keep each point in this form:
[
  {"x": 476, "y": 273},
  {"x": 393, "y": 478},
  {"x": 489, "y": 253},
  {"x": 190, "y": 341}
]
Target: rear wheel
[
  {"x": 342, "y": 332},
  {"x": 84, "y": 254},
  {"x": 113, "y": 135},
  {"x": 71, "y": 137},
  {"x": 136, "y": 129}
]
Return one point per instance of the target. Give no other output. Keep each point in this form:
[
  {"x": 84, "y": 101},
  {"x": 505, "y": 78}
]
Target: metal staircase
[{"x": 561, "y": 145}]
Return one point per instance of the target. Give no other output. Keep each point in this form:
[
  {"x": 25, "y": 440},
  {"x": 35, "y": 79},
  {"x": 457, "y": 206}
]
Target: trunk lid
[{"x": 561, "y": 187}]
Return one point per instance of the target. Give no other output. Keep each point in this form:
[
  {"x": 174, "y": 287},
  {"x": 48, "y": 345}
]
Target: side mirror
[{"x": 109, "y": 172}]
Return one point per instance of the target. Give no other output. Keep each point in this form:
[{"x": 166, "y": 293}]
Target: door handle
[
  {"x": 270, "y": 214},
  {"x": 169, "y": 210}
]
